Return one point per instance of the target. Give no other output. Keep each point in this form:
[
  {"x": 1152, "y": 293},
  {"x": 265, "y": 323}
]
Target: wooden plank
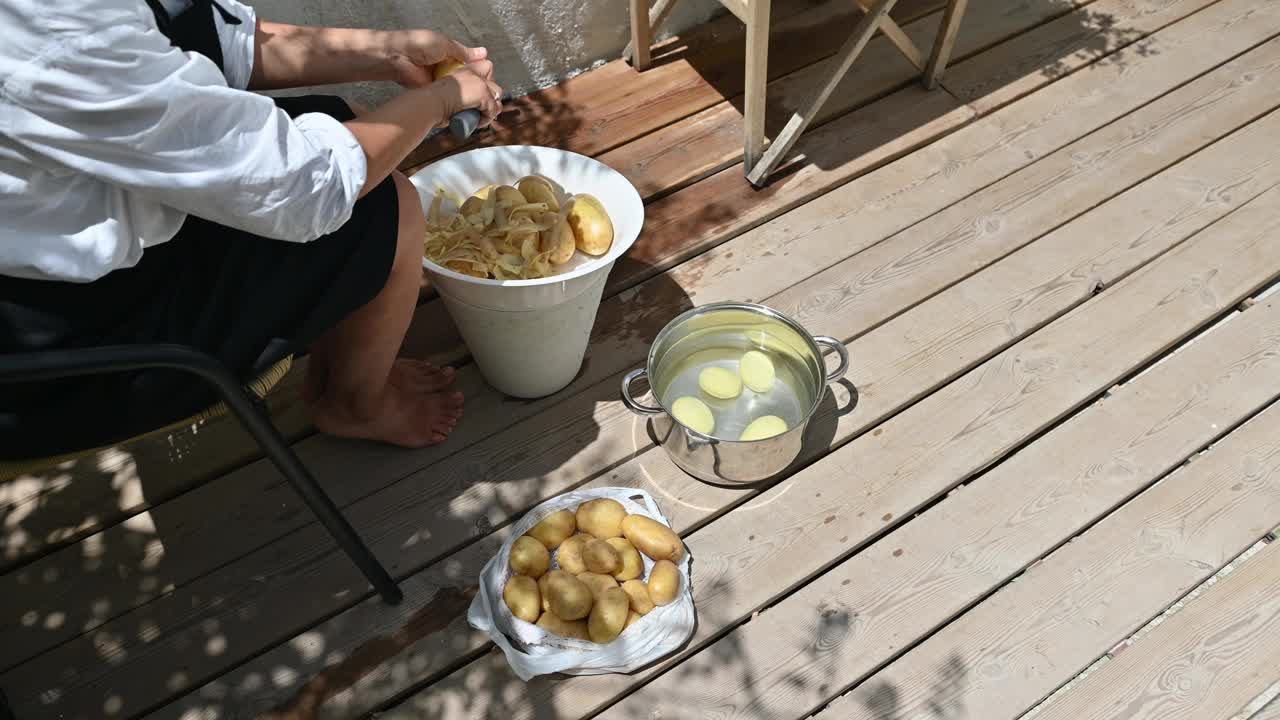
[
  {"x": 894, "y": 32},
  {"x": 641, "y": 34},
  {"x": 1218, "y": 652},
  {"x": 518, "y": 449},
  {"x": 788, "y": 662},
  {"x": 1036, "y": 634},
  {"x": 924, "y": 347},
  {"x": 146, "y": 473},
  {"x": 1270, "y": 712},
  {"x": 614, "y": 104},
  {"x": 709, "y": 141},
  {"x": 48, "y": 511},
  {"x": 991, "y": 80}
]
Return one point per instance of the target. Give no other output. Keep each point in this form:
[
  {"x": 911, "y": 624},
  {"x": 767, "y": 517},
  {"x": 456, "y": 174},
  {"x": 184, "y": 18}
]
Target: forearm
[
  {"x": 391, "y": 132},
  {"x": 288, "y": 56}
]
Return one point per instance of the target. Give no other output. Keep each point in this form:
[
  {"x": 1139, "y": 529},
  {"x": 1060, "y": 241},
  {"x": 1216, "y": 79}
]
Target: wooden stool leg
[
  {"x": 757, "y": 78},
  {"x": 782, "y": 144},
  {"x": 641, "y": 35},
  {"x": 944, "y": 43}
]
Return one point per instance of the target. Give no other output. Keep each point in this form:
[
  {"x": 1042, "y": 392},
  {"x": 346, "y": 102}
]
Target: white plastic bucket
[{"x": 529, "y": 337}]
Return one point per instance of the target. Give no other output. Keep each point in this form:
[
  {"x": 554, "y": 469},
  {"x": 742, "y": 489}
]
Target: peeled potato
[
  {"x": 632, "y": 618},
  {"x": 720, "y": 383},
  {"x": 664, "y": 583},
  {"x": 529, "y": 557},
  {"x": 592, "y": 228},
  {"x": 757, "y": 371},
  {"x": 570, "y": 598},
  {"x": 652, "y": 538},
  {"x": 558, "y": 240},
  {"x": 597, "y": 583},
  {"x": 638, "y": 593},
  {"x": 608, "y": 616},
  {"x": 569, "y": 555},
  {"x": 576, "y": 629},
  {"x": 602, "y": 518},
  {"x": 601, "y": 557},
  {"x": 539, "y": 189},
  {"x": 764, "y": 427},
  {"x": 693, "y": 414},
  {"x": 554, "y": 529},
  {"x": 630, "y": 565},
  {"x": 521, "y": 595}
]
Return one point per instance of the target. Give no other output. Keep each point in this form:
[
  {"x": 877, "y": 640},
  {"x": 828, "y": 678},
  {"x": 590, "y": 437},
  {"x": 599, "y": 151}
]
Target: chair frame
[{"x": 249, "y": 409}]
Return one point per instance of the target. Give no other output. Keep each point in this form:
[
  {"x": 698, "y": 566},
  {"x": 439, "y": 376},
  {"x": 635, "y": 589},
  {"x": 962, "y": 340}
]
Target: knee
[{"x": 357, "y": 109}]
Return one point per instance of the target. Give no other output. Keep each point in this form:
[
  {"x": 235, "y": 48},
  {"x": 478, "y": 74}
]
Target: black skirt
[{"x": 245, "y": 299}]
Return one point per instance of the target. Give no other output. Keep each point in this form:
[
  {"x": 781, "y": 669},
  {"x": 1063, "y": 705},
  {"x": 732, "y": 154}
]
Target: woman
[{"x": 146, "y": 196}]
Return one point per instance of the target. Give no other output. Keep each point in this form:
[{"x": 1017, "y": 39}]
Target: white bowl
[
  {"x": 529, "y": 337},
  {"x": 466, "y": 172}
]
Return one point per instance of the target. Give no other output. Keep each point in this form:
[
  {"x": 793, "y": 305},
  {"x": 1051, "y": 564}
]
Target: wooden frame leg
[
  {"x": 641, "y": 35},
  {"x": 866, "y": 27},
  {"x": 644, "y": 23},
  {"x": 898, "y": 37},
  {"x": 757, "y": 76},
  {"x": 944, "y": 43}
]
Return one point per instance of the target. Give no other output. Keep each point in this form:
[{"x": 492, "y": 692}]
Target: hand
[
  {"x": 415, "y": 53},
  {"x": 471, "y": 86}
]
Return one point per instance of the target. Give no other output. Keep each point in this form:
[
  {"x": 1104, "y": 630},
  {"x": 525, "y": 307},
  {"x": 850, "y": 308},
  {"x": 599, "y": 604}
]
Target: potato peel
[{"x": 501, "y": 233}]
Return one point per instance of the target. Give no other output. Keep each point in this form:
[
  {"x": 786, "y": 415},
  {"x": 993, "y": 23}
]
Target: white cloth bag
[{"x": 532, "y": 651}]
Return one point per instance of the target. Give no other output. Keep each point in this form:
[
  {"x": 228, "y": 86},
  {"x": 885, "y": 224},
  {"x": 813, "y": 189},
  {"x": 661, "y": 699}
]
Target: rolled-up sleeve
[
  {"x": 236, "y": 41},
  {"x": 125, "y": 106}
]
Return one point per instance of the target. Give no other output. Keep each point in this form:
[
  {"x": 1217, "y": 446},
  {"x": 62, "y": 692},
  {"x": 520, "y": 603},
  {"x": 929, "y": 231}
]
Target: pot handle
[
  {"x": 841, "y": 351},
  {"x": 632, "y": 404}
]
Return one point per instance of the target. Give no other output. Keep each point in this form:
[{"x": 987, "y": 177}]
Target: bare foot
[
  {"x": 421, "y": 375},
  {"x": 403, "y": 416}
]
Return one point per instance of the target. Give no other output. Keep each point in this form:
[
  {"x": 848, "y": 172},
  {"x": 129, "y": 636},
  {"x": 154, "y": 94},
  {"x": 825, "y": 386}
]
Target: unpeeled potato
[
  {"x": 542, "y": 589},
  {"x": 652, "y": 538},
  {"x": 592, "y": 228},
  {"x": 597, "y": 583},
  {"x": 602, "y": 518},
  {"x": 554, "y": 529},
  {"x": 569, "y": 555},
  {"x": 632, "y": 618},
  {"x": 601, "y": 557},
  {"x": 664, "y": 583},
  {"x": 521, "y": 595},
  {"x": 570, "y": 598},
  {"x": 576, "y": 629},
  {"x": 445, "y": 67},
  {"x": 638, "y": 593},
  {"x": 508, "y": 195},
  {"x": 558, "y": 239},
  {"x": 631, "y": 565},
  {"x": 529, "y": 557},
  {"x": 541, "y": 189},
  {"x": 608, "y": 616}
]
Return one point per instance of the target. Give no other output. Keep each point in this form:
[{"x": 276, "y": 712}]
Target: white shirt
[{"x": 110, "y": 136}]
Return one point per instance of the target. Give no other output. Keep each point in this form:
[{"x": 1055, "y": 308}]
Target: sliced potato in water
[
  {"x": 757, "y": 371},
  {"x": 693, "y": 414},
  {"x": 764, "y": 427},
  {"x": 720, "y": 383}
]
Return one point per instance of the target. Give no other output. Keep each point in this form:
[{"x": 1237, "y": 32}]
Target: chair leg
[
  {"x": 644, "y": 23},
  {"x": 944, "y": 43},
  {"x": 756, "y": 86},
  {"x": 843, "y": 60},
  {"x": 276, "y": 448},
  {"x": 6, "y": 713}
]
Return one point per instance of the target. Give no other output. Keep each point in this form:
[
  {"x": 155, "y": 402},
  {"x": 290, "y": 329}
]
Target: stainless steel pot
[{"x": 725, "y": 330}]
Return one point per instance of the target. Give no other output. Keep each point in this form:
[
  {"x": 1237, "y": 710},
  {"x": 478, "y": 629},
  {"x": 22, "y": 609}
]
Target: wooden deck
[{"x": 1054, "y": 278}]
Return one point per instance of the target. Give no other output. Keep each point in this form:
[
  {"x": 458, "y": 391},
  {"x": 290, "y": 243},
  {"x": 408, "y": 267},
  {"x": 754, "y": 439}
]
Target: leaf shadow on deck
[{"x": 224, "y": 625}]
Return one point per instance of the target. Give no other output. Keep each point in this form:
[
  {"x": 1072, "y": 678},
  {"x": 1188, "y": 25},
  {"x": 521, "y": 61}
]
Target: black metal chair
[{"x": 247, "y": 405}]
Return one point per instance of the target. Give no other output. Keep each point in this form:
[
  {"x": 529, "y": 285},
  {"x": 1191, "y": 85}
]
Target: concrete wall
[{"x": 534, "y": 43}]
